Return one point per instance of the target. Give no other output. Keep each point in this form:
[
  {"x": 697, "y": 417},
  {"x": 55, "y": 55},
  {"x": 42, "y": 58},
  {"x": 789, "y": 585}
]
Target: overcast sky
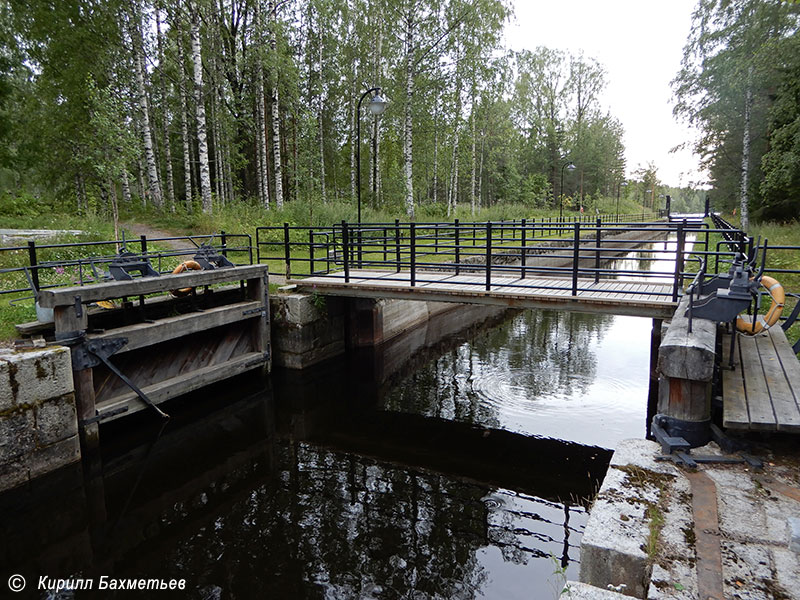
[{"x": 640, "y": 44}]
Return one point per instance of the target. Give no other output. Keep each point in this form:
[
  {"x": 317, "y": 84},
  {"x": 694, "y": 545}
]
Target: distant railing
[
  {"x": 38, "y": 266},
  {"x": 575, "y": 249}
]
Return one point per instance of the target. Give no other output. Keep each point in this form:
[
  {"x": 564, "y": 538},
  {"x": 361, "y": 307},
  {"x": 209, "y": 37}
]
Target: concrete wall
[
  {"x": 38, "y": 419},
  {"x": 308, "y": 328}
]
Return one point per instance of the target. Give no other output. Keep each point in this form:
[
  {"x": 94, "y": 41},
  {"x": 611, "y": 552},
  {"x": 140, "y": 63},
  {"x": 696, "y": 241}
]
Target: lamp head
[
  {"x": 571, "y": 166},
  {"x": 377, "y": 104}
]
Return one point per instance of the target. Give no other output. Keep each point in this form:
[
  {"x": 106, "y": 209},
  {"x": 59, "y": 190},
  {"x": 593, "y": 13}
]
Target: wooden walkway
[
  {"x": 651, "y": 299},
  {"x": 761, "y": 393}
]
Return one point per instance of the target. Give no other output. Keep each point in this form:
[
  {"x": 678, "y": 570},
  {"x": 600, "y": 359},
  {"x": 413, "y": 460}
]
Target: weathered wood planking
[
  {"x": 762, "y": 393},
  {"x": 148, "y": 334},
  {"x": 146, "y": 285},
  {"x": 182, "y": 384},
  {"x": 610, "y": 297}
]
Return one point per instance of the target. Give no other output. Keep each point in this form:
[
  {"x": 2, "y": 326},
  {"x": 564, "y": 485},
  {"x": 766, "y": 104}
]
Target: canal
[{"x": 455, "y": 464}]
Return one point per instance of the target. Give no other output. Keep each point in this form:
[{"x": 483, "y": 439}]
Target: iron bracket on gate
[
  {"x": 127, "y": 262},
  {"x": 88, "y": 353},
  {"x": 671, "y": 433},
  {"x": 727, "y": 294},
  {"x": 208, "y": 258}
]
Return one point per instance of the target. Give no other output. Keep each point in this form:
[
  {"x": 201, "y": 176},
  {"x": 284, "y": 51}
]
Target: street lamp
[
  {"x": 619, "y": 185},
  {"x": 571, "y": 167},
  {"x": 376, "y": 106}
]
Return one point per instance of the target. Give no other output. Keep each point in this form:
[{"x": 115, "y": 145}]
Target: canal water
[{"x": 457, "y": 467}]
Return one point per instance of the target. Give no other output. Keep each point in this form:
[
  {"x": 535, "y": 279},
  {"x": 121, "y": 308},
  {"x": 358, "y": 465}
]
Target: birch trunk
[
  {"x": 408, "y": 156},
  {"x": 187, "y": 161},
  {"x": 261, "y": 120},
  {"x": 165, "y": 123},
  {"x": 435, "y": 195},
  {"x": 276, "y": 121},
  {"x": 202, "y": 139},
  {"x": 353, "y": 141},
  {"x": 452, "y": 200},
  {"x": 745, "y": 168},
  {"x": 474, "y": 160},
  {"x": 126, "y": 188},
  {"x": 320, "y": 120},
  {"x": 147, "y": 137}
]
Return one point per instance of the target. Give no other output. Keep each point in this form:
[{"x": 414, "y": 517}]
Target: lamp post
[
  {"x": 376, "y": 106},
  {"x": 619, "y": 185},
  {"x": 571, "y": 167}
]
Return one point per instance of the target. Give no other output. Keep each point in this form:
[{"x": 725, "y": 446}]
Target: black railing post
[
  {"x": 360, "y": 250},
  {"x": 576, "y": 255},
  {"x": 34, "y": 266},
  {"x": 523, "y": 252},
  {"x": 679, "y": 242},
  {"x": 287, "y": 255},
  {"x": 397, "y": 243},
  {"x": 384, "y": 244},
  {"x": 345, "y": 252},
  {"x": 458, "y": 248},
  {"x": 143, "y": 242},
  {"x": 598, "y": 237},
  {"x": 488, "y": 255},
  {"x": 224, "y": 241},
  {"x": 436, "y": 238},
  {"x": 311, "y": 251},
  {"x": 412, "y": 232}
]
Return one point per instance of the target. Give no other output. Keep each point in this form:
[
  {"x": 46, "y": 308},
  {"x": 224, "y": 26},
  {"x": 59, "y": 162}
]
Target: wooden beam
[
  {"x": 182, "y": 384},
  {"x": 147, "y": 285},
  {"x": 141, "y": 335}
]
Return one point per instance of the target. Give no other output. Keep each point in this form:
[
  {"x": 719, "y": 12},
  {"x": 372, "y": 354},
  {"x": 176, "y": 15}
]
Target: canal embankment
[
  {"x": 657, "y": 530},
  {"x": 38, "y": 416}
]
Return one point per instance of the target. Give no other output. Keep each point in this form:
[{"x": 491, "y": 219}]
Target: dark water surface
[{"x": 457, "y": 462}]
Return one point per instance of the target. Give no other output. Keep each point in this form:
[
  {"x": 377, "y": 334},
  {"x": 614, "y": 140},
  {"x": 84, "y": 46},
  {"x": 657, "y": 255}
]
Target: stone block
[
  {"x": 12, "y": 474},
  {"x": 613, "y": 548},
  {"x": 574, "y": 590},
  {"x": 56, "y": 420},
  {"x": 794, "y": 534},
  {"x": 8, "y": 384},
  {"x": 296, "y": 309},
  {"x": 17, "y": 435},
  {"x": 38, "y": 374},
  {"x": 55, "y": 456}
]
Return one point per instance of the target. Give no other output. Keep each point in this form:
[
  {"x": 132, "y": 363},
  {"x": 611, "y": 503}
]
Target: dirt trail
[{"x": 135, "y": 230}]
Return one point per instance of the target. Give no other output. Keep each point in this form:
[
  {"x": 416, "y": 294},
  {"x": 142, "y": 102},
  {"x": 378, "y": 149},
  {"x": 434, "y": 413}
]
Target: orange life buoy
[
  {"x": 190, "y": 265},
  {"x": 778, "y": 296}
]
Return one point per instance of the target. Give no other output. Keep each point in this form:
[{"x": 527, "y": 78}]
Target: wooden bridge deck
[
  {"x": 609, "y": 296},
  {"x": 762, "y": 392}
]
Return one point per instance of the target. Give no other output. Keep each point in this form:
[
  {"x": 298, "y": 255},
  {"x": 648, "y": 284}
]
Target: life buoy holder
[
  {"x": 773, "y": 315},
  {"x": 187, "y": 265}
]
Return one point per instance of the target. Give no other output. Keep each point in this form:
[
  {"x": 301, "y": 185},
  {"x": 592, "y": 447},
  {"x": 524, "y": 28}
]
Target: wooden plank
[
  {"x": 734, "y": 400},
  {"x": 182, "y": 384},
  {"x": 147, "y": 285},
  {"x": 141, "y": 335},
  {"x": 258, "y": 291},
  {"x": 786, "y": 369},
  {"x": 759, "y": 406}
]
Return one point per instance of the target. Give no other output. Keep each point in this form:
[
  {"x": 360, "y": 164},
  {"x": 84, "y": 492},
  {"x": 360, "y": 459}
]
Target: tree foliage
[
  {"x": 232, "y": 100},
  {"x": 737, "y": 54}
]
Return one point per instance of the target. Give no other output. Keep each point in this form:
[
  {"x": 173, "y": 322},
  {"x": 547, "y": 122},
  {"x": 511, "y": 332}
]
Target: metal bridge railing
[
  {"x": 522, "y": 249},
  {"x": 34, "y": 267}
]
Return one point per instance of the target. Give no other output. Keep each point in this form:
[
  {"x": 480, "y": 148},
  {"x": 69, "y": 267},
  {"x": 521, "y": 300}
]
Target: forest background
[{"x": 197, "y": 110}]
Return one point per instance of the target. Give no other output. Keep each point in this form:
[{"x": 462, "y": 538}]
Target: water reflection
[
  {"x": 290, "y": 493},
  {"x": 569, "y": 376}
]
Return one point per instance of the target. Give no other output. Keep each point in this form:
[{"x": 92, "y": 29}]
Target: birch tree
[{"x": 200, "y": 112}]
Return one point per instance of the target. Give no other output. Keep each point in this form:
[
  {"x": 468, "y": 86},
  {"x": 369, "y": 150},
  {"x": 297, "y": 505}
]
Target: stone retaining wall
[{"x": 38, "y": 419}]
